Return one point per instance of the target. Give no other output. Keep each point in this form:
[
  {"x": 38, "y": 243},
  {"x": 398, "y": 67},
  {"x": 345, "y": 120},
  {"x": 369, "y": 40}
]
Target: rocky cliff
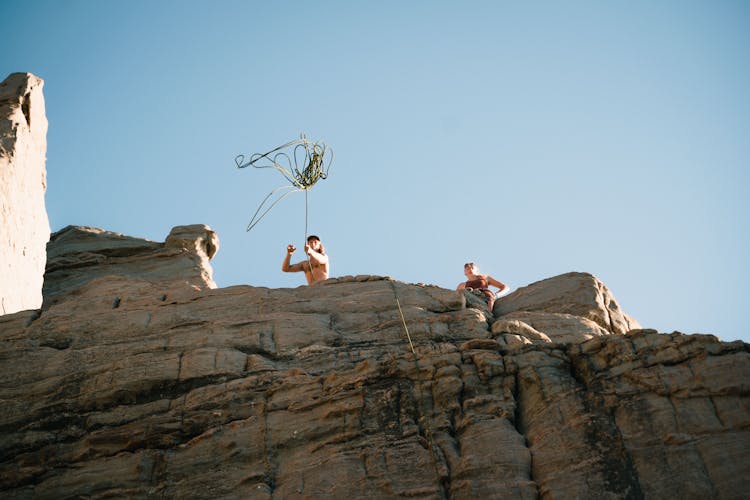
[
  {"x": 130, "y": 384},
  {"x": 138, "y": 378},
  {"x": 24, "y": 227}
]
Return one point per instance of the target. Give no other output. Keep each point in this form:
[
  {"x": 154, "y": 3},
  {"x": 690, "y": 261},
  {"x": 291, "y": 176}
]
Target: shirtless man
[{"x": 316, "y": 268}]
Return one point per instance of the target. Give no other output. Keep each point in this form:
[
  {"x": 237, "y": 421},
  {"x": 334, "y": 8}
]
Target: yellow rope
[{"x": 403, "y": 321}]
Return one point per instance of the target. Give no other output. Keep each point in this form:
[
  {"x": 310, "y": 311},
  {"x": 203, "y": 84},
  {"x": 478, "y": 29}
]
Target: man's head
[{"x": 314, "y": 243}]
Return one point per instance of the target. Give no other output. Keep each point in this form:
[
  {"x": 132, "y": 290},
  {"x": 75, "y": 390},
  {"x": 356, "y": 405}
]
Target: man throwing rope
[{"x": 316, "y": 265}]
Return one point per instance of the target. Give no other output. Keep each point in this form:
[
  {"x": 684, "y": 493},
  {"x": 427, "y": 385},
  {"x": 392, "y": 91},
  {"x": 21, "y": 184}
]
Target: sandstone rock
[
  {"x": 130, "y": 387},
  {"x": 228, "y": 358},
  {"x": 513, "y": 333},
  {"x": 77, "y": 255},
  {"x": 676, "y": 403},
  {"x": 578, "y": 294},
  {"x": 519, "y": 328},
  {"x": 514, "y": 341},
  {"x": 140, "y": 379},
  {"x": 553, "y": 327},
  {"x": 24, "y": 227}
]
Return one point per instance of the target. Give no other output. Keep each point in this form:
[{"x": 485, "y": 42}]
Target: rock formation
[
  {"x": 138, "y": 378},
  {"x": 569, "y": 308},
  {"x": 77, "y": 255},
  {"x": 128, "y": 386},
  {"x": 24, "y": 227}
]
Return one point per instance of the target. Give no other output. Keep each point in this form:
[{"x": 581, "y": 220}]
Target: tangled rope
[{"x": 301, "y": 162}]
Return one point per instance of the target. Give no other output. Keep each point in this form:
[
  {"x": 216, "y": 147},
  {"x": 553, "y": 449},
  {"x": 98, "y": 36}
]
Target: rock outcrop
[
  {"x": 77, "y": 255},
  {"x": 127, "y": 386},
  {"x": 24, "y": 227},
  {"x": 571, "y": 295}
]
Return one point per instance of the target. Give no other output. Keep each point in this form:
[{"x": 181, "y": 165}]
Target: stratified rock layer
[
  {"x": 77, "y": 255},
  {"x": 24, "y": 227},
  {"x": 125, "y": 388}
]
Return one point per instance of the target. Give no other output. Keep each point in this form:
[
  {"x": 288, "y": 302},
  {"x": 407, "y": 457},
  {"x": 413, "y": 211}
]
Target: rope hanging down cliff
[
  {"x": 301, "y": 162},
  {"x": 403, "y": 323}
]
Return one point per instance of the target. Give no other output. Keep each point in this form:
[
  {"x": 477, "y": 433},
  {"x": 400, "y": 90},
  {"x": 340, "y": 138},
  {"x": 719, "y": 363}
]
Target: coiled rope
[{"x": 301, "y": 162}]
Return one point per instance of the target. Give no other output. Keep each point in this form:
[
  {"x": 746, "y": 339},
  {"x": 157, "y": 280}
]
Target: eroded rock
[
  {"x": 78, "y": 255},
  {"x": 315, "y": 392},
  {"x": 577, "y": 294},
  {"x": 24, "y": 227}
]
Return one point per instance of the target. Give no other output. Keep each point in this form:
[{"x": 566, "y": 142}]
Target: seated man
[{"x": 315, "y": 268}]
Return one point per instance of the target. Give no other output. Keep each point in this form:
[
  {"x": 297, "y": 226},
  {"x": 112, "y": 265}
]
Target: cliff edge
[{"x": 129, "y": 386}]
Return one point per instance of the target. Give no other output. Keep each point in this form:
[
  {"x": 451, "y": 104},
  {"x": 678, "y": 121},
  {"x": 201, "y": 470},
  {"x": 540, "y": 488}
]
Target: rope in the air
[{"x": 301, "y": 162}]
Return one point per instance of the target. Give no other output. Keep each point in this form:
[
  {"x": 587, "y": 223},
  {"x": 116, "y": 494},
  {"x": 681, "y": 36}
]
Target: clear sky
[{"x": 535, "y": 138}]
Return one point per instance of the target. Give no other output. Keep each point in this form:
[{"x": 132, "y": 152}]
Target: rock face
[
  {"x": 77, "y": 255},
  {"x": 24, "y": 227},
  {"x": 571, "y": 295},
  {"x": 128, "y": 386}
]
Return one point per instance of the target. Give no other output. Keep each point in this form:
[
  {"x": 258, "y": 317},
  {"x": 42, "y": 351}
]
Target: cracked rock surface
[
  {"x": 138, "y": 378},
  {"x": 127, "y": 387}
]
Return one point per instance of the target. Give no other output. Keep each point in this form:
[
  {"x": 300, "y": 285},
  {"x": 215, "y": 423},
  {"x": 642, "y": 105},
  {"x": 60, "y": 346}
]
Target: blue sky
[{"x": 535, "y": 138}]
